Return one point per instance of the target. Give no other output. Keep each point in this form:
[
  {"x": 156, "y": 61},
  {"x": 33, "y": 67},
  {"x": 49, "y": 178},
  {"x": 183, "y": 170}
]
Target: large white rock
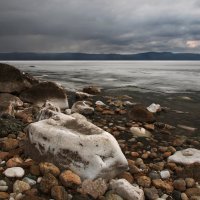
[
  {"x": 70, "y": 141},
  {"x": 127, "y": 191},
  {"x": 186, "y": 156}
]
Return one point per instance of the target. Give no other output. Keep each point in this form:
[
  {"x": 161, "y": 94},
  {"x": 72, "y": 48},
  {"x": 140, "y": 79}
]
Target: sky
[{"x": 100, "y": 26}]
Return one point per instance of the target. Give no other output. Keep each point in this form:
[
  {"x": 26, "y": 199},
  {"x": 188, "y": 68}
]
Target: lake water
[{"x": 156, "y": 76}]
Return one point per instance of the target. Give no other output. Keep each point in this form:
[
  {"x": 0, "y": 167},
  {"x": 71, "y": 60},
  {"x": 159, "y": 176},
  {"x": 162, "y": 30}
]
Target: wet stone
[
  {"x": 180, "y": 185},
  {"x": 151, "y": 193},
  {"x": 59, "y": 193},
  {"x": 69, "y": 179},
  {"x": 47, "y": 182}
]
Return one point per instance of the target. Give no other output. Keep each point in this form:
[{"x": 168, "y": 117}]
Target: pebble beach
[{"x": 156, "y": 155}]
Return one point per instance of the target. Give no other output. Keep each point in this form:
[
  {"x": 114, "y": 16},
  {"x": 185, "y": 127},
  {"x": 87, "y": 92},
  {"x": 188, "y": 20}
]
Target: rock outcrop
[
  {"x": 44, "y": 91},
  {"x": 70, "y": 141},
  {"x": 12, "y": 80}
]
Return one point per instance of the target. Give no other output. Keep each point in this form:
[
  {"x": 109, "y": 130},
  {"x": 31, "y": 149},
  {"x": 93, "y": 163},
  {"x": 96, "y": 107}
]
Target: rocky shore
[{"x": 84, "y": 145}]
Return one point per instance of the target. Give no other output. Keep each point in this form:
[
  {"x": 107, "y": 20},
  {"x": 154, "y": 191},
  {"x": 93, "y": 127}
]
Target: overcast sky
[{"x": 100, "y": 26}]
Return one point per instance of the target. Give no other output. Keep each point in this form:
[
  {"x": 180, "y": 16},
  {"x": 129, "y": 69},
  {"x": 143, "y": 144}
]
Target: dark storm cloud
[{"x": 100, "y": 26}]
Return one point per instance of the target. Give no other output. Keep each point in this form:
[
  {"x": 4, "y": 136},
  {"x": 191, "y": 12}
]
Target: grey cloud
[{"x": 98, "y": 26}]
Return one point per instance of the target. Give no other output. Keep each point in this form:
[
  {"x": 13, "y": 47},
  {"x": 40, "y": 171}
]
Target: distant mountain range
[{"x": 86, "y": 56}]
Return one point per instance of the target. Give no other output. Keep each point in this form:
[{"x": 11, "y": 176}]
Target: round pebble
[
  {"x": 165, "y": 174},
  {"x": 3, "y": 183},
  {"x": 14, "y": 172},
  {"x": 29, "y": 181}
]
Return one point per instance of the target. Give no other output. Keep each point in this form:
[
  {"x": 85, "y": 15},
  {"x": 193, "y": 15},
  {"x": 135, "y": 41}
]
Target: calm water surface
[{"x": 156, "y": 76}]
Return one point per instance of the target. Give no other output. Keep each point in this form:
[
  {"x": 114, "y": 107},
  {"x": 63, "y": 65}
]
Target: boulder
[
  {"x": 92, "y": 90},
  {"x": 140, "y": 114},
  {"x": 70, "y": 141},
  {"x": 44, "y": 91},
  {"x": 8, "y": 103},
  {"x": 82, "y": 107},
  {"x": 127, "y": 191},
  {"x": 12, "y": 80},
  {"x": 186, "y": 157}
]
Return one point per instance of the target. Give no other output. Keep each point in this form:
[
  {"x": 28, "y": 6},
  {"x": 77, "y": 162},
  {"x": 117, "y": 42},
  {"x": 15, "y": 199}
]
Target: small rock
[
  {"x": 46, "y": 167},
  {"x": 14, "y": 162},
  {"x": 82, "y": 107},
  {"x": 139, "y": 113},
  {"x": 30, "y": 181},
  {"x": 4, "y": 195},
  {"x": 165, "y": 174},
  {"x": 190, "y": 182},
  {"x": 184, "y": 196},
  {"x": 59, "y": 193},
  {"x": 68, "y": 178},
  {"x": 3, "y": 155},
  {"x": 192, "y": 192},
  {"x": 133, "y": 168},
  {"x": 95, "y": 188},
  {"x": 10, "y": 144},
  {"x": 35, "y": 170},
  {"x": 47, "y": 182},
  {"x": 158, "y": 183},
  {"x": 127, "y": 176},
  {"x": 20, "y": 186},
  {"x": 135, "y": 154},
  {"x": 92, "y": 90},
  {"x": 127, "y": 191},
  {"x": 19, "y": 196},
  {"x": 3, "y": 188},
  {"x": 14, "y": 172},
  {"x": 140, "y": 132},
  {"x": 154, "y": 175},
  {"x": 159, "y": 166},
  {"x": 149, "y": 126},
  {"x": 144, "y": 181},
  {"x": 180, "y": 185},
  {"x": 3, "y": 183},
  {"x": 151, "y": 193},
  {"x": 176, "y": 195},
  {"x": 100, "y": 103},
  {"x": 154, "y": 108},
  {"x": 111, "y": 196}
]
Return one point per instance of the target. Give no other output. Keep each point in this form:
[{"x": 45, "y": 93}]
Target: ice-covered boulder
[
  {"x": 82, "y": 107},
  {"x": 44, "y": 91},
  {"x": 127, "y": 191},
  {"x": 186, "y": 157},
  {"x": 70, "y": 141}
]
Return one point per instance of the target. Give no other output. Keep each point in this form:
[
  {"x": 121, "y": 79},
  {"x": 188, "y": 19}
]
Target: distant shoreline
[{"x": 149, "y": 56}]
